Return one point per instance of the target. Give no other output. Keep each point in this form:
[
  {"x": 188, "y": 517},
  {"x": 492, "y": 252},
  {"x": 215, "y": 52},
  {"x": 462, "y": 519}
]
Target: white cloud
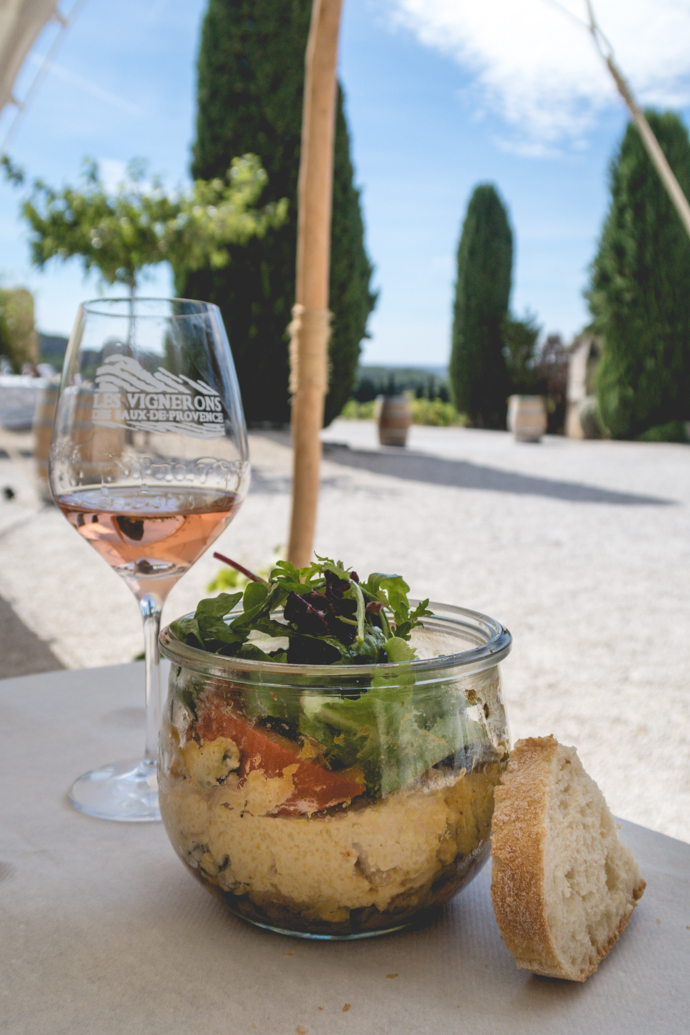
[{"x": 536, "y": 68}]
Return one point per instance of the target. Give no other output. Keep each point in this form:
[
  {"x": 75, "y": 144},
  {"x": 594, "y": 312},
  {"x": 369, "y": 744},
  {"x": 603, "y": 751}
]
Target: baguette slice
[{"x": 563, "y": 885}]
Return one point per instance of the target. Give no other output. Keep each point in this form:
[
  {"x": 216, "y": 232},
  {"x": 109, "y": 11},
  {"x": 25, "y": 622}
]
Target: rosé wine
[{"x": 149, "y": 536}]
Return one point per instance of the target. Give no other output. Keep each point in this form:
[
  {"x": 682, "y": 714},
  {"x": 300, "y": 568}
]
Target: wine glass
[{"x": 149, "y": 463}]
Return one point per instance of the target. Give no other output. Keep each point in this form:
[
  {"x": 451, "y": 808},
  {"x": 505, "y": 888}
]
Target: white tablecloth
[
  {"x": 18, "y": 398},
  {"x": 103, "y": 931}
]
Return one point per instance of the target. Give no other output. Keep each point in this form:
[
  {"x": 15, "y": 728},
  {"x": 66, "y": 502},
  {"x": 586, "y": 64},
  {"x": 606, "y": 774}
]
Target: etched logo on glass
[{"x": 127, "y": 395}]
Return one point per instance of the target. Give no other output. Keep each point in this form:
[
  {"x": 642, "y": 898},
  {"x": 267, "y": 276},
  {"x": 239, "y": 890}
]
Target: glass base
[
  {"x": 124, "y": 791},
  {"x": 331, "y": 937}
]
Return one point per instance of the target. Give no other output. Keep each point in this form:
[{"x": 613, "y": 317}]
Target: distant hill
[
  {"x": 421, "y": 368},
  {"x": 52, "y": 348},
  {"x": 428, "y": 382}
]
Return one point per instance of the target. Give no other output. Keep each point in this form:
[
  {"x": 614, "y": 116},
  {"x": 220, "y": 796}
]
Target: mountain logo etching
[{"x": 126, "y": 394}]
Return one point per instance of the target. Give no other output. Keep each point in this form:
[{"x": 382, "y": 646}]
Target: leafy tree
[
  {"x": 638, "y": 293},
  {"x": 139, "y": 225},
  {"x": 18, "y": 340},
  {"x": 250, "y": 92},
  {"x": 478, "y": 373}
]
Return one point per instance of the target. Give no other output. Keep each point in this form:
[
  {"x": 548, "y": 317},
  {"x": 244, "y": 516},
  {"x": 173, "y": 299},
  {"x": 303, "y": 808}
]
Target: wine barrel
[
  {"x": 394, "y": 419},
  {"x": 527, "y": 417},
  {"x": 42, "y": 429},
  {"x": 96, "y": 439},
  {"x": 95, "y": 447}
]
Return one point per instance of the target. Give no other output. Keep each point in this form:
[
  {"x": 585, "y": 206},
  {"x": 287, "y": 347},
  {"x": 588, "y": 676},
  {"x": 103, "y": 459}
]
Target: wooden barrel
[
  {"x": 527, "y": 417},
  {"x": 98, "y": 441},
  {"x": 96, "y": 448},
  {"x": 394, "y": 419},
  {"x": 42, "y": 431}
]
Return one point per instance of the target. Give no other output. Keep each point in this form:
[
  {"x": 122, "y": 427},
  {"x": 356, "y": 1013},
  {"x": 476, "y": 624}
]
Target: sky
[{"x": 441, "y": 95}]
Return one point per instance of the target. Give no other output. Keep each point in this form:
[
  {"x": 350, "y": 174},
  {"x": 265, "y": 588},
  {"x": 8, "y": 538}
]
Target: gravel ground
[{"x": 581, "y": 548}]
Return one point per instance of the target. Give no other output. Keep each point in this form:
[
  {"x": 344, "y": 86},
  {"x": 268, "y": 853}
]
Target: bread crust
[{"x": 518, "y": 887}]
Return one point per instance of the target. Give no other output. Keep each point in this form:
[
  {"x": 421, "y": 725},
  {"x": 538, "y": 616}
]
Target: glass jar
[{"x": 336, "y": 801}]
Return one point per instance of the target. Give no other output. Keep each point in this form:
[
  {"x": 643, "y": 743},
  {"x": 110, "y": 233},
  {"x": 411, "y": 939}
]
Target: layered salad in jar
[{"x": 329, "y": 750}]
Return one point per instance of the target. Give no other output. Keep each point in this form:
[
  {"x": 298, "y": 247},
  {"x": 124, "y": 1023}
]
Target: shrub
[
  {"x": 437, "y": 413},
  {"x": 354, "y": 410},
  {"x": 674, "y": 431},
  {"x": 434, "y": 412}
]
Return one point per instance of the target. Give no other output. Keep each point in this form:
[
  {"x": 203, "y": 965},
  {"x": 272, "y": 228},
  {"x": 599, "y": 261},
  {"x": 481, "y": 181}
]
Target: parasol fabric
[{"x": 21, "y": 21}]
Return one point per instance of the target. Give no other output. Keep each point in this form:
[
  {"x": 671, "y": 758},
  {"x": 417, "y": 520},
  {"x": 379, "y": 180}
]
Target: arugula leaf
[
  {"x": 398, "y": 649},
  {"x": 210, "y": 613},
  {"x": 336, "y": 568},
  {"x": 391, "y": 589},
  {"x": 288, "y": 576},
  {"x": 405, "y": 621}
]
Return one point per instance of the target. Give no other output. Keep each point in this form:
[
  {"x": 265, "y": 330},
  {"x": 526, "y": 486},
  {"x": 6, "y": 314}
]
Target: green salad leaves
[
  {"x": 328, "y": 617},
  {"x": 389, "y": 727}
]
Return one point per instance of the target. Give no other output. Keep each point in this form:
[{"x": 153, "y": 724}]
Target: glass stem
[{"x": 151, "y": 609}]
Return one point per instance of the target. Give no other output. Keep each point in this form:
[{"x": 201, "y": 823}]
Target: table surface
[{"x": 103, "y": 931}]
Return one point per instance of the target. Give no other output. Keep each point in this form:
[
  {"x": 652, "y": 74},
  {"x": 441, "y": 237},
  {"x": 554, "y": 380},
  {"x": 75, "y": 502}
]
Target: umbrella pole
[{"x": 310, "y": 327}]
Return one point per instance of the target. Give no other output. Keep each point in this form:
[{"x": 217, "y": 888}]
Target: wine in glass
[{"x": 149, "y": 463}]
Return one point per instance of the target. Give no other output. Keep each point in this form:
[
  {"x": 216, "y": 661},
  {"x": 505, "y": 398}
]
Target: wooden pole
[
  {"x": 310, "y": 327},
  {"x": 666, "y": 174}
]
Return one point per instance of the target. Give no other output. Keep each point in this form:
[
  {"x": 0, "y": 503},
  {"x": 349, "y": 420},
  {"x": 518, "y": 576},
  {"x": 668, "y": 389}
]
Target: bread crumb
[
  {"x": 658, "y": 921},
  {"x": 346, "y": 1007},
  {"x": 320, "y": 1007},
  {"x": 301, "y": 1030},
  {"x": 289, "y": 954},
  {"x": 391, "y": 975}
]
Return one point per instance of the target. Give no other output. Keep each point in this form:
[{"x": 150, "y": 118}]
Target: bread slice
[{"x": 563, "y": 885}]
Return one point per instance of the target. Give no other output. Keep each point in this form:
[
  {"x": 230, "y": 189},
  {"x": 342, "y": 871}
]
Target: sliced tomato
[{"x": 314, "y": 788}]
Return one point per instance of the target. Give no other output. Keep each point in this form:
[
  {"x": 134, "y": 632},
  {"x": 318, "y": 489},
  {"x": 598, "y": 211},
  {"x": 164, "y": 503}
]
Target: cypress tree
[
  {"x": 478, "y": 374},
  {"x": 638, "y": 292},
  {"x": 250, "y": 92}
]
